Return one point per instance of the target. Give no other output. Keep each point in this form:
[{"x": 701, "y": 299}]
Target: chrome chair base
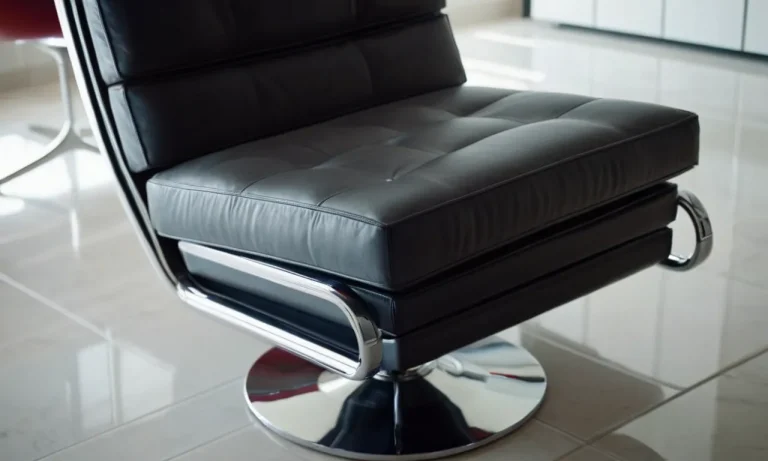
[{"x": 457, "y": 403}]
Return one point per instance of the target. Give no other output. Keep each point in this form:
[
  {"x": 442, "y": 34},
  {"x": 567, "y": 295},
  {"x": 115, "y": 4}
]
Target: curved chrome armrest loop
[
  {"x": 367, "y": 334},
  {"x": 703, "y": 227}
]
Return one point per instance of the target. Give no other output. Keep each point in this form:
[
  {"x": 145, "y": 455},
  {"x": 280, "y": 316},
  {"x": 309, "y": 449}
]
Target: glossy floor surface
[{"x": 98, "y": 359}]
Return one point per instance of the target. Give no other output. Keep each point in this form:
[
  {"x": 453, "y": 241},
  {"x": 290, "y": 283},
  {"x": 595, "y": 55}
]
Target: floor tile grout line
[
  {"x": 53, "y": 329},
  {"x": 105, "y": 335},
  {"x": 82, "y": 322},
  {"x": 687, "y": 391},
  {"x": 87, "y": 325},
  {"x": 214, "y": 440},
  {"x": 145, "y": 416},
  {"x": 103, "y": 236},
  {"x": 679, "y": 390},
  {"x": 742, "y": 280},
  {"x": 581, "y": 447},
  {"x": 558, "y": 430},
  {"x": 55, "y": 306},
  {"x": 605, "y": 362}
]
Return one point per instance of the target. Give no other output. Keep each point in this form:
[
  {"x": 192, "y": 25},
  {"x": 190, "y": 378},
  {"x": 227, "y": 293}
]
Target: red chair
[{"x": 34, "y": 22}]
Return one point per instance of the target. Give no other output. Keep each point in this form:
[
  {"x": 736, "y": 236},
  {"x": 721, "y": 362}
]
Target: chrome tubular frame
[
  {"x": 368, "y": 336},
  {"x": 105, "y": 138},
  {"x": 703, "y": 227}
]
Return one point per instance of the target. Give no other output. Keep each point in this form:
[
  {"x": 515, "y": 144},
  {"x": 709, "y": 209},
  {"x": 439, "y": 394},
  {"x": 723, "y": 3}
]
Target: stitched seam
[
  {"x": 542, "y": 227},
  {"x": 468, "y": 145},
  {"x": 464, "y": 117},
  {"x": 382, "y": 144},
  {"x": 394, "y": 176},
  {"x": 388, "y": 128},
  {"x": 340, "y": 167},
  {"x": 320, "y": 204},
  {"x": 262, "y": 198},
  {"x": 444, "y": 99},
  {"x": 503, "y": 98},
  {"x": 290, "y": 135},
  {"x": 294, "y": 144},
  {"x": 295, "y": 168},
  {"x": 545, "y": 167},
  {"x": 494, "y": 134},
  {"x": 462, "y": 148},
  {"x": 574, "y": 108},
  {"x": 590, "y": 122},
  {"x": 336, "y": 194},
  {"x": 454, "y": 115},
  {"x": 421, "y": 151},
  {"x": 265, "y": 178},
  {"x": 320, "y": 166},
  {"x": 508, "y": 119}
]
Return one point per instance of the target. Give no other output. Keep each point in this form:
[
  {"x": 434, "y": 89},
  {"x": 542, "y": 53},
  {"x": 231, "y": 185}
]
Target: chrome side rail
[
  {"x": 703, "y": 227},
  {"x": 368, "y": 336}
]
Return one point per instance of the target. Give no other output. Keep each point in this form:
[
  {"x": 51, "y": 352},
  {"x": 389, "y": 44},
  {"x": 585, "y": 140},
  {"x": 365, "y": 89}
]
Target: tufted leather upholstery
[
  {"x": 393, "y": 195},
  {"x": 142, "y": 38},
  {"x": 189, "y": 77},
  {"x": 335, "y": 135}
]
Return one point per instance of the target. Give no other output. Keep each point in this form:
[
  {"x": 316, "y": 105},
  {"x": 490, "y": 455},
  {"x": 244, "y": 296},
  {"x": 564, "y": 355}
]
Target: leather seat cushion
[{"x": 395, "y": 195}]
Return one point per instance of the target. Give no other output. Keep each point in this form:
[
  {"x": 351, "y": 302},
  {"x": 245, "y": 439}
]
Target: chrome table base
[
  {"x": 460, "y": 402},
  {"x": 64, "y": 139}
]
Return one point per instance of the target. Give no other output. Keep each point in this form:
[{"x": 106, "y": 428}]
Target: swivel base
[{"x": 457, "y": 403}]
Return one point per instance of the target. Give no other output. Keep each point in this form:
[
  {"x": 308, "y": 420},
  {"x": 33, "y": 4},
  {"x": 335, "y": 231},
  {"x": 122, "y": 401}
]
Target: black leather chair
[{"x": 318, "y": 174}]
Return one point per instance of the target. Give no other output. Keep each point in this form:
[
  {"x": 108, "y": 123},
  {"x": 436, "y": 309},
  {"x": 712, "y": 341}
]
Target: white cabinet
[
  {"x": 631, "y": 16},
  {"x": 756, "y": 40},
  {"x": 740, "y": 25},
  {"x": 576, "y": 12},
  {"x": 716, "y": 23}
]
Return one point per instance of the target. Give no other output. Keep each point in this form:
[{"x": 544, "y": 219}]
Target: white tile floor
[{"x": 98, "y": 359}]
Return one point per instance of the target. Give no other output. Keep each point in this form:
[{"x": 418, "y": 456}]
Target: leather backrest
[{"x": 189, "y": 77}]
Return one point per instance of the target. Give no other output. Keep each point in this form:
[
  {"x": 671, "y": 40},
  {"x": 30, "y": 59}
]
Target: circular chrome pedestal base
[{"x": 459, "y": 402}]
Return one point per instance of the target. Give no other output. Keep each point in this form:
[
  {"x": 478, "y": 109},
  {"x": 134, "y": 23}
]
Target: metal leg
[
  {"x": 458, "y": 403},
  {"x": 64, "y": 139},
  {"x": 44, "y": 131}
]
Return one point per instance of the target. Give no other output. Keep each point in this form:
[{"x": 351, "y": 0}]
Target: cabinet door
[
  {"x": 576, "y": 12},
  {"x": 631, "y": 16},
  {"x": 717, "y": 23},
  {"x": 757, "y": 27}
]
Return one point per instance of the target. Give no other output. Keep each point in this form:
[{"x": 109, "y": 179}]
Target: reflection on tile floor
[
  {"x": 98, "y": 360},
  {"x": 588, "y": 454},
  {"x": 724, "y": 419}
]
